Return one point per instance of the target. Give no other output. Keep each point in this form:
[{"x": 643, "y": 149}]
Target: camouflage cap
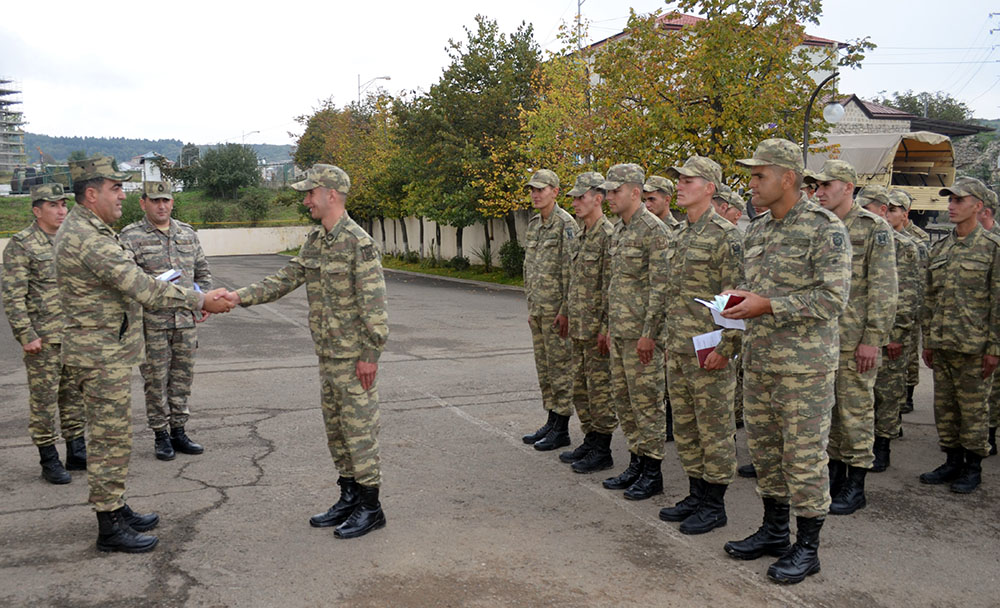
[
  {"x": 585, "y": 182},
  {"x": 543, "y": 178},
  {"x": 872, "y": 194},
  {"x": 699, "y": 166},
  {"x": 324, "y": 176},
  {"x": 779, "y": 152},
  {"x": 53, "y": 192},
  {"x": 655, "y": 183},
  {"x": 992, "y": 203},
  {"x": 833, "y": 170},
  {"x": 157, "y": 190},
  {"x": 899, "y": 198},
  {"x": 98, "y": 166},
  {"x": 734, "y": 200},
  {"x": 967, "y": 186},
  {"x": 625, "y": 173}
]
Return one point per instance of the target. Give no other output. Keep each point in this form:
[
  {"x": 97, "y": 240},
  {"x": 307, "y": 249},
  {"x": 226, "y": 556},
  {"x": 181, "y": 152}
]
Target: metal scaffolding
[{"x": 11, "y": 127}]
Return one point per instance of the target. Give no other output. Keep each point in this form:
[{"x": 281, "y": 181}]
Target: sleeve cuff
[{"x": 369, "y": 355}]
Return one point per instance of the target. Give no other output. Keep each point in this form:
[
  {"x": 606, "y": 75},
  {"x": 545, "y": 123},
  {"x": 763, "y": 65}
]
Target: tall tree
[
  {"x": 226, "y": 169},
  {"x": 939, "y": 105}
]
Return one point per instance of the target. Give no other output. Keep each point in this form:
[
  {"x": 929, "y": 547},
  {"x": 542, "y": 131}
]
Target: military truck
[{"x": 26, "y": 177}]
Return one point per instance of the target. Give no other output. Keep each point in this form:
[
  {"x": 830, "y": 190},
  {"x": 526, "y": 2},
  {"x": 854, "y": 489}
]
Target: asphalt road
[{"x": 475, "y": 517}]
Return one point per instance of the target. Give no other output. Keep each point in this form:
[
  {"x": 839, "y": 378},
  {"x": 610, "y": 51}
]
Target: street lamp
[
  {"x": 364, "y": 87},
  {"x": 833, "y": 113},
  {"x": 244, "y": 138}
]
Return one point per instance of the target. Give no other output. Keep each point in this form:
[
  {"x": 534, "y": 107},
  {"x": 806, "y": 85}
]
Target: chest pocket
[
  {"x": 698, "y": 255},
  {"x": 44, "y": 266},
  {"x": 631, "y": 260},
  {"x": 185, "y": 246}
]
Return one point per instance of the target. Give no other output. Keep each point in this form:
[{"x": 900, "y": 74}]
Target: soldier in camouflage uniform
[
  {"x": 588, "y": 328},
  {"x": 636, "y": 290},
  {"x": 161, "y": 244},
  {"x": 923, "y": 241},
  {"x": 890, "y": 384},
  {"x": 797, "y": 261},
  {"x": 31, "y": 299},
  {"x": 864, "y": 330},
  {"x": 547, "y": 248},
  {"x": 961, "y": 325},
  {"x": 705, "y": 258},
  {"x": 102, "y": 340},
  {"x": 342, "y": 270},
  {"x": 987, "y": 219}
]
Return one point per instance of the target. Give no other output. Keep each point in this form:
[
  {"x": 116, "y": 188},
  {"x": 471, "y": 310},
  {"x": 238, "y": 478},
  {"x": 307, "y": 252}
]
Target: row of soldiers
[{"x": 833, "y": 294}]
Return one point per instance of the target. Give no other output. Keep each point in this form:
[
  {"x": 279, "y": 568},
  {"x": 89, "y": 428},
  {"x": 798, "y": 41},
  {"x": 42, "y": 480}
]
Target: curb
[{"x": 485, "y": 284}]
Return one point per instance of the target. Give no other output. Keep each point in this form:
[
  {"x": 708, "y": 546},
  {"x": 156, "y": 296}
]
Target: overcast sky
[{"x": 212, "y": 71}]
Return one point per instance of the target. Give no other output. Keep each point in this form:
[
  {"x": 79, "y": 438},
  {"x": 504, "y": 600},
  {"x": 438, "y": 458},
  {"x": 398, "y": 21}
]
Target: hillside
[{"x": 123, "y": 149}]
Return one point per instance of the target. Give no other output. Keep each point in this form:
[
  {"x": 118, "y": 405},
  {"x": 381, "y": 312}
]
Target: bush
[
  {"x": 430, "y": 261},
  {"x": 512, "y": 258},
  {"x": 213, "y": 213},
  {"x": 131, "y": 211},
  {"x": 485, "y": 254},
  {"x": 255, "y": 203},
  {"x": 411, "y": 257},
  {"x": 287, "y": 197},
  {"x": 459, "y": 263}
]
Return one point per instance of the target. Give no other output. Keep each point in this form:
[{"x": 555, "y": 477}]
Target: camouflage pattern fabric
[
  {"x": 345, "y": 287},
  {"x": 637, "y": 282},
  {"x": 913, "y": 230},
  {"x": 167, "y": 374},
  {"x": 704, "y": 422},
  {"x": 554, "y": 365},
  {"x": 913, "y": 344},
  {"x": 30, "y": 294},
  {"x": 324, "y": 176},
  {"x": 51, "y": 192},
  {"x": 351, "y": 416},
  {"x": 638, "y": 391},
  {"x": 592, "y": 388},
  {"x": 738, "y": 408},
  {"x": 994, "y": 398},
  {"x": 53, "y": 403},
  {"x": 960, "y": 411},
  {"x": 852, "y": 427}
]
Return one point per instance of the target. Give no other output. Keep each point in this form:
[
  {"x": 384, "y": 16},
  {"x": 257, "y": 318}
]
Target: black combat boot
[
  {"x": 52, "y": 467},
  {"x": 557, "y": 437},
  {"x": 76, "y": 454},
  {"x": 162, "y": 447},
  {"x": 971, "y": 474},
  {"x": 182, "y": 443},
  {"x": 993, "y": 441},
  {"x": 907, "y": 407},
  {"x": 711, "y": 513},
  {"x": 571, "y": 456},
  {"x": 770, "y": 539},
  {"x": 688, "y": 505},
  {"x": 650, "y": 482},
  {"x": 138, "y": 521},
  {"x": 838, "y": 476},
  {"x": 114, "y": 534},
  {"x": 803, "y": 559},
  {"x": 747, "y": 470},
  {"x": 367, "y": 516},
  {"x": 881, "y": 450},
  {"x": 541, "y": 432},
  {"x": 627, "y": 477},
  {"x": 598, "y": 458},
  {"x": 670, "y": 421},
  {"x": 852, "y": 493},
  {"x": 949, "y": 471},
  {"x": 350, "y": 494}
]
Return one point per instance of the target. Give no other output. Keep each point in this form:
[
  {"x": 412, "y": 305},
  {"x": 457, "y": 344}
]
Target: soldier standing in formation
[
  {"x": 588, "y": 328},
  {"x": 797, "y": 261},
  {"x": 705, "y": 258},
  {"x": 341, "y": 268},
  {"x": 102, "y": 340},
  {"x": 923, "y": 241},
  {"x": 31, "y": 299},
  {"x": 635, "y": 315},
  {"x": 961, "y": 326},
  {"x": 546, "y": 283},
  {"x": 864, "y": 330},
  {"x": 729, "y": 205},
  {"x": 987, "y": 219},
  {"x": 161, "y": 244}
]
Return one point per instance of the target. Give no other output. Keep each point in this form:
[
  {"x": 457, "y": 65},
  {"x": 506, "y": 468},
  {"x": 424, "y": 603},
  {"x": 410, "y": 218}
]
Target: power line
[{"x": 983, "y": 62}]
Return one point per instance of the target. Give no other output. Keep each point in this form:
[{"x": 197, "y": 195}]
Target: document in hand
[
  {"x": 170, "y": 276},
  {"x": 720, "y": 303},
  {"x": 706, "y": 343}
]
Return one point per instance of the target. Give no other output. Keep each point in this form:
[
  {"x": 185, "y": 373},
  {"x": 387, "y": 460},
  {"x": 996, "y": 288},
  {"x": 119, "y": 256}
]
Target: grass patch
[{"x": 476, "y": 272}]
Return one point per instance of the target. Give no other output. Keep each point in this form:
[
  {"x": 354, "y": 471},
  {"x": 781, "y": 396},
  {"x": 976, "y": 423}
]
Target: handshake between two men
[{"x": 218, "y": 301}]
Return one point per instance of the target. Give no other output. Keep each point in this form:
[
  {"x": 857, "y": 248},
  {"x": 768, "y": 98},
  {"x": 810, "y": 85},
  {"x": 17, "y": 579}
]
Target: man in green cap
[
  {"x": 705, "y": 258},
  {"x": 961, "y": 326},
  {"x": 636, "y": 290},
  {"x": 864, "y": 330},
  {"x": 103, "y": 339},
  {"x": 547, "y": 245},
  {"x": 797, "y": 261},
  {"x": 342, "y": 270},
  {"x": 588, "y": 327},
  {"x": 162, "y": 244},
  {"x": 31, "y": 300},
  {"x": 912, "y": 346},
  {"x": 729, "y": 204},
  {"x": 987, "y": 219}
]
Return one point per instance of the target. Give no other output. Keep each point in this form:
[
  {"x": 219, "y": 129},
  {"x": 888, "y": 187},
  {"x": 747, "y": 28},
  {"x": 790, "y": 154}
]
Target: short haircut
[
  {"x": 80, "y": 187},
  {"x": 38, "y": 203},
  {"x": 600, "y": 191}
]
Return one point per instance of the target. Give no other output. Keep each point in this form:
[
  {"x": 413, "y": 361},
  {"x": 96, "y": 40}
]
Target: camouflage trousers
[
  {"x": 592, "y": 388},
  {"x": 53, "y": 402},
  {"x": 638, "y": 392},
  {"x": 852, "y": 427},
  {"x": 704, "y": 424},
  {"x": 167, "y": 374},
  {"x": 738, "y": 410},
  {"x": 994, "y": 401},
  {"x": 352, "y": 421},
  {"x": 912, "y": 350},
  {"x": 107, "y": 399},
  {"x": 890, "y": 394},
  {"x": 787, "y": 421},
  {"x": 554, "y": 364},
  {"x": 960, "y": 411}
]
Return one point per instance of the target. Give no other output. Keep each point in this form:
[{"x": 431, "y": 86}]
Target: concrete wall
[
  {"x": 856, "y": 122},
  {"x": 473, "y": 237}
]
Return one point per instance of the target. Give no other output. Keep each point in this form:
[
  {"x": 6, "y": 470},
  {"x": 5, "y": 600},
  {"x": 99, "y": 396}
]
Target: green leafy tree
[
  {"x": 939, "y": 105},
  {"x": 77, "y": 155},
  {"x": 226, "y": 169}
]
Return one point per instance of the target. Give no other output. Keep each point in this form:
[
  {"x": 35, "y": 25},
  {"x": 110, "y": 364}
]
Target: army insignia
[
  {"x": 737, "y": 250},
  {"x": 838, "y": 240},
  {"x": 368, "y": 253},
  {"x": 159, "y": 187},
  {"x": 882, "y": 237},
  {"x": 569, "y": 232}
]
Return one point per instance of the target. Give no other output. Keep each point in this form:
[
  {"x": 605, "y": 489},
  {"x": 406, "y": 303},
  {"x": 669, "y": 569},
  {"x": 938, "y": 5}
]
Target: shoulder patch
[
  {"x": 881, "y": 238},
  {"x": 570, "y": 231},
  {"x": 737, "y": 249},
  {"x": 838, "y": 240},
  {"x": 995, "y": 238},
  {"x": 368, "y": 253}
]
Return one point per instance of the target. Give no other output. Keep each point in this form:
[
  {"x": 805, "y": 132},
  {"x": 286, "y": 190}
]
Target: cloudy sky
[{"x": 212, "y": 71}]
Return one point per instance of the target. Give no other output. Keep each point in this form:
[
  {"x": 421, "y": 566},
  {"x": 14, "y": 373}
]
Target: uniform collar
[
  {"x": 91, "y": 218},
  {"x": 337, "y": 228},
  {"x": 703, "y": 221},
  {"x": 149, "y": 227}
]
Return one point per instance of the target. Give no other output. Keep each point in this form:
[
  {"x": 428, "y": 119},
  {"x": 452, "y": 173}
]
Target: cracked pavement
[{"x": 475, "y": 517}]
